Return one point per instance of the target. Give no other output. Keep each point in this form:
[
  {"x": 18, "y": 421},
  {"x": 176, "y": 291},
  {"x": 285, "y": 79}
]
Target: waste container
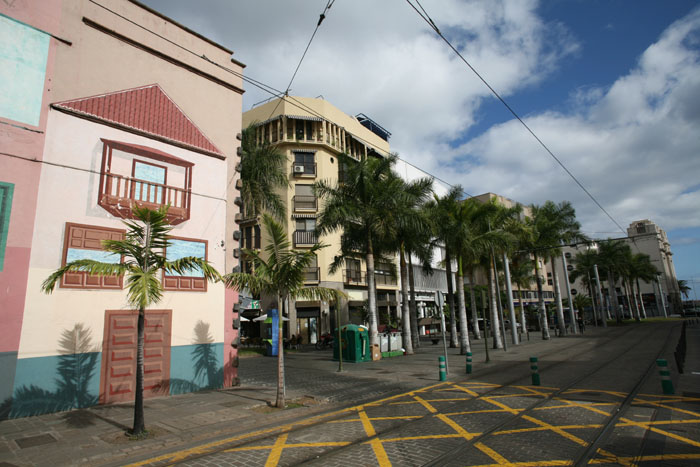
[{"x": 354, "y": 343}]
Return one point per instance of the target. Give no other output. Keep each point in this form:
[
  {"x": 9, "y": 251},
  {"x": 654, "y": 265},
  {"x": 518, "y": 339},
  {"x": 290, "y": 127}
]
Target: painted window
[
  {"x": 6, "y": 190},
  {"x": 192, "y": 280},
  {"x": 23, "y": 54},
  {"x": 156, "y": 175},
  {"x": 85, "y": 242}
]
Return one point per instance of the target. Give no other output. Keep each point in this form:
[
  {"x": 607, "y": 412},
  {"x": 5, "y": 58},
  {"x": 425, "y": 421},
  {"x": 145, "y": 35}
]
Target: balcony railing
[
  {"x": 305, "y": 237},
  {"x": 311, "y": 275},
  {"x": 355, "y": 277},
  {"x": 384, "y": 279},
  {"x": 118, "y": 194},
  {"x": 305, "y": 203}
]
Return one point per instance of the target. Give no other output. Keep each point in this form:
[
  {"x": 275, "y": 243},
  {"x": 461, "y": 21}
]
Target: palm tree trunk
[
  {"x": 495, "y": 324},
  {"x": 557, "y": 297},
  {"x": 613, "y": 297},
  {"x": 544, "y": 325},
  {"x": 280, "y": 402},
  {"x": 511, "y": 305},
  {"x": 406, "y": 314},
  {"x": 451, "y": 299},
  {"x": 472, "y": 302},
  {"x": 630, "y": 288},
  {"x": 139, "y": 422},
  {"x": 600, "y": 296},
  {"x": 641, "y": 300},
  {"x": 523, "y": 320},
  {"x": 464, "y": 345},
  {"x": 415, "y": 338},
  {"x": 371, "y": 295}
]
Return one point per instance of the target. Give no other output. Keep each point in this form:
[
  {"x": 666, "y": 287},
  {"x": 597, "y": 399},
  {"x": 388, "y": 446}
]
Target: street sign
[{"x": 439, "y": 298}]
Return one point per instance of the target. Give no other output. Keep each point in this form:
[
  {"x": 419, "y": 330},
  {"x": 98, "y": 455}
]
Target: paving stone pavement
[{"x": 95, "y": 436}]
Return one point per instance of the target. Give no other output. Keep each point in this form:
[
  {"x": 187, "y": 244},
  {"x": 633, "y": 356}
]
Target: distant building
[{"x": 105, "y": 108}]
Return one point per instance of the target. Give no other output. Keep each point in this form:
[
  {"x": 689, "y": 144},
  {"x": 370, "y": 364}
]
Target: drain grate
[{"x": 31, "y": 441}]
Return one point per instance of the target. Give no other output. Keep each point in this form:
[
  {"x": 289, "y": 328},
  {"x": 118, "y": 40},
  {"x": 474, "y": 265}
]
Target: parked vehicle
[{"x": 325, "y": 340}]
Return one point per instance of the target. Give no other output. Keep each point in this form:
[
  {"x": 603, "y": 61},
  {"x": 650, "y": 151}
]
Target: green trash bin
[{"x": 355, "y": 344}]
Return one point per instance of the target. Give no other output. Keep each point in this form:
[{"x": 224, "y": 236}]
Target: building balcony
[
  {"x": 354, "y": 277},
  {"x": 311, "y": 275},
  {"x": 119, "y": 194},
  {"x": 305, "y": 203},
  {"x": 384, "y": 279},
  {"x": 305, "y": 238}
]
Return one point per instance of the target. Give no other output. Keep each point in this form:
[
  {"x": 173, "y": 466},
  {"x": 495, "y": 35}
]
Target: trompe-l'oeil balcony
[{"x": 138, "y": 175}]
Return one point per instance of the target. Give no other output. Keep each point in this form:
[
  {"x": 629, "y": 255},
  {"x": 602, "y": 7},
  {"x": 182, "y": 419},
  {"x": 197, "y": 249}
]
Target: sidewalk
[{"x": 95, "y": 436}]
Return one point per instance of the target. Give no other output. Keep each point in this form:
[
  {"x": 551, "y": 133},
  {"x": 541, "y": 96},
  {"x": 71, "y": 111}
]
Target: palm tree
[
  {"x": 411, "y": 222},
  {"x": 642, "y": 269},
  {"x": 142, "y": 253},
  {"x": 583, "y": 264},
  {"x": 442, "y": 212},
  {"x": 280, "y": 272},
  {"x": 263, "y": 173},
  {"x": 684, "y": 288},
  {"x": 611, "y": 254},
  {"x": 361, "y": 205},
  {"x": 521, "y": 273}
]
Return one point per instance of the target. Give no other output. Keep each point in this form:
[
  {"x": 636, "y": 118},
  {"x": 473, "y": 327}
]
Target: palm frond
[{"x": 89, "y": 266}]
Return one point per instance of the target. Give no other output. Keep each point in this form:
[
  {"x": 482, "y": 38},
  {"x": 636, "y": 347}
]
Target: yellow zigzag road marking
[
  {"x": 461, "y": 431},
  {"x": 276, "y": 452},
  {"x": 484, "y": 411},
  {"x": 492, "y": 454},
  {"x": 660, "y": 457},
  {"x": 646, "y": 426},
  {"x": 665, "y": 406},
  {"x": 353, "y": 420},
  {"x": 585, "y": 406},
  {"x": 502, "y": 406},
  {"x": 556, "y": 430},
  {"x": 546, "y": 428},
  {"x": 290, "y": 445}
]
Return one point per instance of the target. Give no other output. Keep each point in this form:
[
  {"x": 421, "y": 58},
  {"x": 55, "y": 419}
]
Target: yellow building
[{"x": 312, "y": 133}]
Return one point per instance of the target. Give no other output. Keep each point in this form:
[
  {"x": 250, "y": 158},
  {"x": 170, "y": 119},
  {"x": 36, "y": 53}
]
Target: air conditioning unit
[{"x": 298, "y": 169}]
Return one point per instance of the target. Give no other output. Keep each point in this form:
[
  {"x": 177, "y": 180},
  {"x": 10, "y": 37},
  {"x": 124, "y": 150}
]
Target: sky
[{"x": 612, "y": 87}]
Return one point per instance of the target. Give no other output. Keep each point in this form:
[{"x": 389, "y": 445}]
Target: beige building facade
[{"x": 312, "y": 132}]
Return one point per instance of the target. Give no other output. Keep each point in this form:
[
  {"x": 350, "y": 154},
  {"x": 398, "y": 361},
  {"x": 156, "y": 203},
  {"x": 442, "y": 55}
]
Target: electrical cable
[{"x": 432, "y": 25}]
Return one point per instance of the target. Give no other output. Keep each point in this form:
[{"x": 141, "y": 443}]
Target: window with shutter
[
  {"x": 85, "y": 242},
  {"x": 193, "y": 280}
]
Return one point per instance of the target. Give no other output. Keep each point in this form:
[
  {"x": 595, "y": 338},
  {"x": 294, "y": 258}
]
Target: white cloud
[{"x": 635, "y": 145}]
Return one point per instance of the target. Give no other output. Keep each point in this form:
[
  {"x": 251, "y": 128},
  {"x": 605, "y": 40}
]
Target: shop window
[
  {"x": 6, "y": 190},
  {"x": 192, "y": 280},
  {"x": 85, "y": 242}
]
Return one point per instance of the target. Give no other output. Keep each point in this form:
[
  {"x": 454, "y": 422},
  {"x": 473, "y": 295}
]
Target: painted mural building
[{"x": 108, "y": 105}]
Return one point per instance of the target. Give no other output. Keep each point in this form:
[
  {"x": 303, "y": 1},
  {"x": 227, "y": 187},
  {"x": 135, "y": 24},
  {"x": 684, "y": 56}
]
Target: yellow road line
[
  {"x": 531, "y": 464},
  {"x": 456, "y": 387},
  {"x": 503, "y": 406},
  {"x": 584, "y": 406},
  {"x": 492, "y": 454},
  {"x": 659, "y": 422},
  {"x": 665, "y": 406},
  {"x": 353, "y": 420},
  {"x": 545, "y": 428},
  {"x": 473, "y": 412},
  {"x": 461, "y": 431},
  {"x": 447, "y": 399},
  {"x": 659, "y": 457},
  {"x": 412, "y": 438},
  {"x": 274, "y": 458},
  {"x": 661, "y": 432},
  {"x": 376, "y": 444},
  {"x": 425, "y": 404},
  {"x": 556, "y": 430},
  {"x": 595, "y": 404}
]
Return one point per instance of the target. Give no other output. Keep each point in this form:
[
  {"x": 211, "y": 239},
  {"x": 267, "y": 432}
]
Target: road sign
[{"x": 440, "y": 298}]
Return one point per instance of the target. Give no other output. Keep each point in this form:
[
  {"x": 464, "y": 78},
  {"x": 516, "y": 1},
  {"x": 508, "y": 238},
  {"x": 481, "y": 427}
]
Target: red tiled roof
[{"x": 146, "y": 110}]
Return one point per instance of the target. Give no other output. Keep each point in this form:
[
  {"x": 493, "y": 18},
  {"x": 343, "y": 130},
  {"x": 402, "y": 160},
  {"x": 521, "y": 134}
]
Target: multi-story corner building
[
  {"x": 107, "y": 105},
  {"x": 312, "y": 133},
  {"x": 643, "y": 236}
]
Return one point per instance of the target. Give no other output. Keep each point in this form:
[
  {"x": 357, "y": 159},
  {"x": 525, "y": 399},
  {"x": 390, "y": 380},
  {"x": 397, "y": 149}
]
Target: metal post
[
  {"x": 469, "y": 363},
  {"x": 535, "y": 371},
  {"x": 666, "y": 383},
  {"x": 443, "y": 368},
  {"x": 572, "y": 309},
  {"x": 600, "y": 296},
  {"x": 340, "y": 341},
  {"x": 593, "y": 299}
]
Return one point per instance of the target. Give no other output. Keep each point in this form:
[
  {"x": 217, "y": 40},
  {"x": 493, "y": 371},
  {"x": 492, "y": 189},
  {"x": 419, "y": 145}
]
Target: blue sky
[{"x": 612, "y": 87}]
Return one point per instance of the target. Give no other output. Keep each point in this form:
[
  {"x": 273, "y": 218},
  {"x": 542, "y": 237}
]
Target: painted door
[{"x": 118, "y": 379}]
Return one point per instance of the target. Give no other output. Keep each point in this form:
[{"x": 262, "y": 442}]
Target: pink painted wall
[
  {"x": 21, "y": 150},
  {"x": 230, "y": 335}
]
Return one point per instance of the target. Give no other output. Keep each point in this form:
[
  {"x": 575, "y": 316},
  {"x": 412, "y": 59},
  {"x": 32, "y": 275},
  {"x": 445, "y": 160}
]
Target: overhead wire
[{"x": 424, "y": 15}]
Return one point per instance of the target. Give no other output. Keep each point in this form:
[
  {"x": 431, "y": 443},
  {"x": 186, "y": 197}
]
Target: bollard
[
  {"x": 535, "y": 371},
  {"x": 469, "y": 363},
  {"x": 443, "y": 375},
  {"x": 666, "y": 383}
]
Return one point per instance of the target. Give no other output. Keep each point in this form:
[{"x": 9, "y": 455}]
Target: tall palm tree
[
  {"x": 411, "y": 224},
  {"x": 611, "y": 254},
  {"x": 521, "y": 273},
  {"x": 143, "y": 258},
  {"x": 442, "y": 211},
  {"x": 583, "y": 264},
  {"x": 263, "y": 174},
  {"x": 361, "y": 206},
  {"x": 643, "y": 270},
  {"x": 279, "y": 271},
  {"x": 684, "y": 288}
]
